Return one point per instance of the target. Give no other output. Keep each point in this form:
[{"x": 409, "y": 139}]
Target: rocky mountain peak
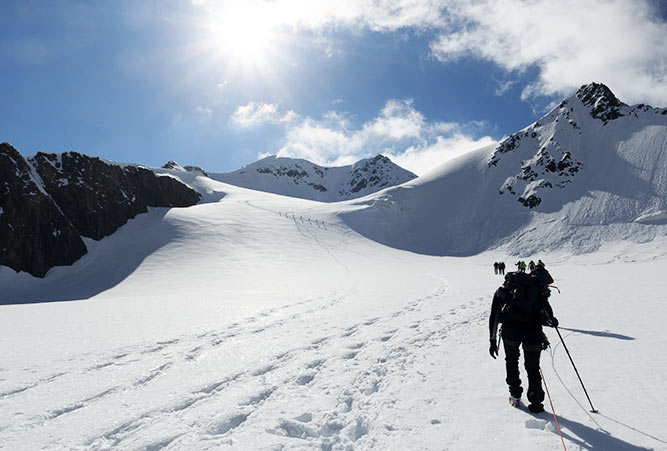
[
  {"x": 171, "y": 164},
  {"x": 564, "y": 181},
  {"x": 378, "y": 160},
  {"x": 7, "y": 149},
  {"x": 603, "y": 103},
  {"x": 302, "y": 178},
  {"x": 376, "y": 173},
  {"x": 174, "y": 166},
  {"x": 544, "y": 156}
]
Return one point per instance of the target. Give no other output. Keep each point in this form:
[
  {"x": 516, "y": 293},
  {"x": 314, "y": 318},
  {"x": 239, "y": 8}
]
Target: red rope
[{"x": 552, "y": 409}]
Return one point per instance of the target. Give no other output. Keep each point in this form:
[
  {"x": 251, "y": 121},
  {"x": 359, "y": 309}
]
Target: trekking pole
[
  {"x": 552, "y": 409},
  {"x": 593, "y": 409},
  {"x": 500, "y": 337}
]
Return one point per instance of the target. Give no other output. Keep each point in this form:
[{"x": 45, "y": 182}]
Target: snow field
[{"x": 245, "y": 324}]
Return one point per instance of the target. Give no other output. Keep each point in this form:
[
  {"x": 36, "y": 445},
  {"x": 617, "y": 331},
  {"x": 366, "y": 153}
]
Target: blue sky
[{"x": 220, "y": 83}]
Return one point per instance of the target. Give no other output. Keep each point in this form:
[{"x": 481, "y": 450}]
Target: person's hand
[
  {"x": 493, "y": 349},
  {"x": 552, "y": 322},
  {"x": 545, "y": 342}
]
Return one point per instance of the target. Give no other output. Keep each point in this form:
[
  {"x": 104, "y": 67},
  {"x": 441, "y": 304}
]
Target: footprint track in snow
[
  {"x": 376, "y": 338},
  {"x": 393, "y": 358},
  {"x": 228, "y": 424}
]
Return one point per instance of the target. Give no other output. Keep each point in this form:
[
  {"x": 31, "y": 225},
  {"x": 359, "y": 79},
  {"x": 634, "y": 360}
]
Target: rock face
[
  {"x": 602, "y": 102},
  {"x": 98, "y": 197},
  {"x": 301, "y": 178},
  {"x": 48, "y": 202},
  {"x": 34, "y": 234}
]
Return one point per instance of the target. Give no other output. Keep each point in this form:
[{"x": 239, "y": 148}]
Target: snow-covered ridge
[
  {"x": 578, "y": 177},
  {"x": 303, "y": 179},
  {"x": 557, "y": 135}
]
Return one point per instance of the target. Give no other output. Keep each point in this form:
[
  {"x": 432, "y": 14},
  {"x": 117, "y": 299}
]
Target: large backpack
[{"x": 522, "y": 299}]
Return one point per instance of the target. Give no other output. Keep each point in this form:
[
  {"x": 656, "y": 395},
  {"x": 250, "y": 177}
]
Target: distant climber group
[
  {"x": 521, "y": 266},
  {"x": 521, "y": 304}
]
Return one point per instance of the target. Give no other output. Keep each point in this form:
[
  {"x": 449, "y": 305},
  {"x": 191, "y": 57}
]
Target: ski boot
[{"x": 536, "y": 408}]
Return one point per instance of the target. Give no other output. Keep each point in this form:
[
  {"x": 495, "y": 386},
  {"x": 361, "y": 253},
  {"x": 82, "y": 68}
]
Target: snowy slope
[
  {"x": 592, "y": 170},
  {"x": 257, "y": 321},
  {"x": 303, "y": 179}
]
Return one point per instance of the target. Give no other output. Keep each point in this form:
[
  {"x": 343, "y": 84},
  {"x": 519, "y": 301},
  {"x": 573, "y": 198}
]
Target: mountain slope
[
  {"x": 592, "y": 170},
  {"x": 303, "y": 179},
  {"x": 235, "y": 326}
]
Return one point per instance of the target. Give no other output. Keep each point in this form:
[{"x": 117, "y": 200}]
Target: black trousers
[{"x": 530, "y": 335}]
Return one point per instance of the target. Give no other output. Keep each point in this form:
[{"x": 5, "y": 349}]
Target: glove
[
  {"x": 545, "y": 342},
  {"x": 493, "y": 349},
  {"x": 552, "y": 322}
]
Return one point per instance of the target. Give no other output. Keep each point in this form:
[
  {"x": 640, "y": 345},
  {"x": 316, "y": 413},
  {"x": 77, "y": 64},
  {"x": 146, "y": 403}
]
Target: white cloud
[
  {"x": 421, "y": 159},
  {"x": 397, "y": 120},
  {"x": 322, "y": 144},
  {"x": 204, "y": 111},
  {"x": 622, "y": 43},
  {"x": 379, "y": 15},
  {"x": 254, "y": 114},
  {"x": 572, "y": 42},
  {"x": 504, "y": 86},
  {"x": 399, "y": 131}
]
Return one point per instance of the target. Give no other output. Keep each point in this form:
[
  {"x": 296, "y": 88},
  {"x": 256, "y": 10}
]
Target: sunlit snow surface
[{"x": 261, "y": 322}]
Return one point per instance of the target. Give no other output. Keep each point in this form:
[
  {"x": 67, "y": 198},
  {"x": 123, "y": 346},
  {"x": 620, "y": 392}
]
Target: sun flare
[{"x": 244, "y": 32}]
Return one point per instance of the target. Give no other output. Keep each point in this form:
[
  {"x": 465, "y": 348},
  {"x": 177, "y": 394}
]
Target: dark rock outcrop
[
  {"x": 34, "y": 234},
  {"x": 99, "y": 197},
  {"x": 371, "y": 173},
  {"x": 196, "y": 169},
  {"x": 50, "y": 201},
  {"x": 603, "y": 103},
  {"x": 171, "y": 164}
]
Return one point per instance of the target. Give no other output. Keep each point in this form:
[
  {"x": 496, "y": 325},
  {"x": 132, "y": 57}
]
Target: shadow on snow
[
  {"x": 592, "y": 439},
  {"x": 596, "y": 333},
  {"x": 107, "y": 264}
]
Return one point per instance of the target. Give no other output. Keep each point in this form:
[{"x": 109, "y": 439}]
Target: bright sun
[{"x": 244, "y": 32}]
